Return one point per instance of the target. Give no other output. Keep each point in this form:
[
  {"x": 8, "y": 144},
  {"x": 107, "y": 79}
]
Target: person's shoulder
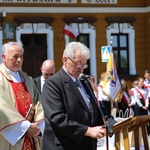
[
  {"x": 25, "y": 75},
  {"x": 60, "y": 76},
  {"x": 56, "y": 77},
  {"x": 36, "y": 78}
]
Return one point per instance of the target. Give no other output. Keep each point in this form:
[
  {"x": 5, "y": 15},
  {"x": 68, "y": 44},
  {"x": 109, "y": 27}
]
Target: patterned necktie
[{"x": 84, "y": 94}]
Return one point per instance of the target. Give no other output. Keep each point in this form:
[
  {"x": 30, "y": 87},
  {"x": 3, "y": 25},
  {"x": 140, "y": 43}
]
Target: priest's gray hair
[{"x": 6, "y": 46}]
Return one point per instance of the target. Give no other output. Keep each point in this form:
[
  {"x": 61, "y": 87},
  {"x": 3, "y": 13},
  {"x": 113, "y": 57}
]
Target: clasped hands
[
  {"x": 96, "y": 132},
  {"x": 33, "y": 130}
]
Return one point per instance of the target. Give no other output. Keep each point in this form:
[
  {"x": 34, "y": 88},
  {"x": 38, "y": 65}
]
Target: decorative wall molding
[
  {"x": 120, "y": 19},
  {"x": 31, "y": 19},
  {"x": 80, "y": 20}
]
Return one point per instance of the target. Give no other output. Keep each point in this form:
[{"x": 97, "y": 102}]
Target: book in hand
[{"x": 30, "y": 113}]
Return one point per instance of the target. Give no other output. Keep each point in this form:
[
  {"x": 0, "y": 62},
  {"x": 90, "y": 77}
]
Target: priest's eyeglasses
[{"x": 78, "y": 64}]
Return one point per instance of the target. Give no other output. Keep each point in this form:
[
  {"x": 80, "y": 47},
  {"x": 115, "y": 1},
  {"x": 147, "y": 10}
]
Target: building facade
[{"x": 122, "y": 24}]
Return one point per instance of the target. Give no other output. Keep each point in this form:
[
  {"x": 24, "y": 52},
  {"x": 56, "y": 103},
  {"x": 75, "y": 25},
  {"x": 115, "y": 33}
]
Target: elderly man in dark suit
[
  {"x": 47, "y": 69},
  {"x": 72, "y": 119}
]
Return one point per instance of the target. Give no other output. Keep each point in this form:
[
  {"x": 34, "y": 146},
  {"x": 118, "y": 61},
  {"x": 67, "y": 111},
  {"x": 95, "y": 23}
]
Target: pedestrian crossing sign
[{"x": 105, "y": 53}]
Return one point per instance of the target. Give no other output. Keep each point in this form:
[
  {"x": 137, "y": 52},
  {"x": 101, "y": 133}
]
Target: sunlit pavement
[{"x": 101, "y": 145}]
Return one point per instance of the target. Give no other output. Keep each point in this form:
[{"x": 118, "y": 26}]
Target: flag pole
[{"x": 107, "y": 134}]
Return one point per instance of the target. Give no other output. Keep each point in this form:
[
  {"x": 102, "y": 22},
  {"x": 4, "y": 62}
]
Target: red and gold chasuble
[{"x": 23, "y": 102}]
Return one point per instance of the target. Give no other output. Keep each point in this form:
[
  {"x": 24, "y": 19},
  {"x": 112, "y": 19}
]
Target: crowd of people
[
  {"x": 53, "y": 111},
  {"x": 57, "y": 110},
  {"x": 136, "y": 98},
  {"x": 134, "y": 101}
]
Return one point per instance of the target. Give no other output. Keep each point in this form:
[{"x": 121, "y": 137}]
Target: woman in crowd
[
  {"x": 132, "y": 95},
  {"x": 122, "y": 101},
  {"x": 141, "y": 98},
  {"x": 102, "y": 98}
]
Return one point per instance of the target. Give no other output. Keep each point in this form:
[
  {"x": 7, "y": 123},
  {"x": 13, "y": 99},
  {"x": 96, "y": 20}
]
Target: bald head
[{"x": 48, "y": 68}]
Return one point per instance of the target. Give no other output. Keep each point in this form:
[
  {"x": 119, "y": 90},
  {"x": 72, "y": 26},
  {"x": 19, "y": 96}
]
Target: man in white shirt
[{"x": 47, "y": 69}]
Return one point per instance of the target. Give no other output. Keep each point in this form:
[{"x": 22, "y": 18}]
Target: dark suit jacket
[
  {"x": 37, "y": 82},
  {"x": 66, "y": 115}
]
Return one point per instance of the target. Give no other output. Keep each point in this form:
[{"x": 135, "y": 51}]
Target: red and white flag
[{"x": 70, "y": 32}]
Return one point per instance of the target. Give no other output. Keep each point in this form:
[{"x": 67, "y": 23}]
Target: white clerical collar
[{"x": 14, "y": 75}]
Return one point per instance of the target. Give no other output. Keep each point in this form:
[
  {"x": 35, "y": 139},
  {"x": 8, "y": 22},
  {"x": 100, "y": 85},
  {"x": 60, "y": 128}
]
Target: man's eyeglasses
[{"x": 78, "y": 64}]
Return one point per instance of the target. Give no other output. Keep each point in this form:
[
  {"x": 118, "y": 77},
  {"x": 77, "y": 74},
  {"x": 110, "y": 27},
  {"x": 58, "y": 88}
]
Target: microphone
[{"x": 83, "y": 76}]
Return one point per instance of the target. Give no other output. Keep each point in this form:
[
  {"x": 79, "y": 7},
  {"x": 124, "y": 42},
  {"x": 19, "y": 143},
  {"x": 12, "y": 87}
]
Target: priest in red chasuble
[{"x": 21, "y": 113}]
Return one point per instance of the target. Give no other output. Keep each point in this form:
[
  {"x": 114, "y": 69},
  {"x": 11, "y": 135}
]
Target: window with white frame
[{"x": 123, "y": 45}]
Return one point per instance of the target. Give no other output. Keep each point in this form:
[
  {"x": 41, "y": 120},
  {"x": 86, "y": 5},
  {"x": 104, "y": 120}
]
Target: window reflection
[
  {"x": 116, "y": 57},
  {"x": 123, "y": 41},
  {"x": 114, "y": 41},
  {"x": 123, "y": 55}
]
